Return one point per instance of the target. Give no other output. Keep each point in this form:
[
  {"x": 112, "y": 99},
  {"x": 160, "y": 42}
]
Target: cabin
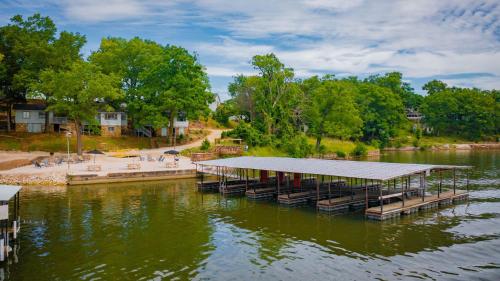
[
  {"x": 31, "y": 118},
  {"x": 113, "y": 124}
]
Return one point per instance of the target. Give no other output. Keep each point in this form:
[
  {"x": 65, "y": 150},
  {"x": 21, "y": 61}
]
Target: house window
[
  {"x": 26, "y": 115},
  {"x": 110, "y": 116},
  {"x": 41, "y": 115},
  {"x": 111, "y": 129}
]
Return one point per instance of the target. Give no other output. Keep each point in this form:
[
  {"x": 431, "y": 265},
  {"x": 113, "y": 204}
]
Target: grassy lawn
[
  {"x": 57, "y": 142},
  {"x": 333, "y": 145}
]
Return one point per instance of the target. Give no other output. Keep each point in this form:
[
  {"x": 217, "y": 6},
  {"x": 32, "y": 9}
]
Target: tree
[
  {"x": 471, "y": 113},
  {"x": 178, "y": 83},
  {"x": 275, "y": 96},
  {"x": 330, "y": 110},
  {"x": 382, "y": 111},
  {"x": 434, "y": 86},
  {"x": 79, "y": 93},
  {"x": 130, "y": 61},
  {"x": 243, "y": 92},
  {"x": 394, "y": 82}
]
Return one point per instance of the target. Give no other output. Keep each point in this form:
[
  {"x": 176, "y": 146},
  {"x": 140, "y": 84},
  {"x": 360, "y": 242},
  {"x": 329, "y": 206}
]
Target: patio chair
[
  {"x": 142, "y": 158},
  {"x": 58, "y": 161},
  {"x": 37, "y": 164},
  {"x": 161, "y": 158},
  {"x": 150, "y": 158}
]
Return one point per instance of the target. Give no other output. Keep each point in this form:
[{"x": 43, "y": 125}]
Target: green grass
[
  {"x": 333, "y": 145},
  {"x": 265, "y": 151},
  {"x": 57, "y": 142}
]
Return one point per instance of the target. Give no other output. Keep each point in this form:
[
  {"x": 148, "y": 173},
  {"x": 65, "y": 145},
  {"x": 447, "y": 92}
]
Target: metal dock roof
[
  {"x": 337, "y": 168},
  {"x": 8, "y": 191}
]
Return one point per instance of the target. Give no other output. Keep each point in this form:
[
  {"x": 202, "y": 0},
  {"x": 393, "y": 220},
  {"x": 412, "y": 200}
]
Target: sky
[{"x": 456, "y": 41}]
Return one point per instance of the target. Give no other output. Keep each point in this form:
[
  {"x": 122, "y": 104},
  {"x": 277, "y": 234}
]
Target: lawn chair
[
  {"x": 161, "y": 158},
  {"x": 37, "y": 165},
  {"x": 46, "y": 162},
  {"x": 150, "y": 158},
  {"x": 58, "y": 161},
  {"x": 142, "y": 158}
]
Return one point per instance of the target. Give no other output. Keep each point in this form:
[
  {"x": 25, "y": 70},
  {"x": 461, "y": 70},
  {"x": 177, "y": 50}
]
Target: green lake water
[{"x": 167, "y": 230}]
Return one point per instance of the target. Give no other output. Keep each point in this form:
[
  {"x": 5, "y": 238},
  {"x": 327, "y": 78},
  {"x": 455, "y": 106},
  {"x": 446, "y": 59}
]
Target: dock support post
[
  {"x": 278, "y": 181},
  {"x": 424, "y": 186},
  {"x": 440, "y": 183},
  {"x": 246, "y": 180},
  {"x": 317, "y": 188},
  {"x": 381, "y": 199},
  {"x": 288, "y": 184},
  {"x": 14, "y": 227},
  {"x": 329, "y": 191},
  {"x": 352, "y": 195},
  {"x": 402, "y": 192},
  {"x": 201, "y": 177},
  {"x": 366, "y": 193},
  {"x": 467, "y": 181},
  {"x": 454, "y": 182},
  {"x": 2, "y": 250}
]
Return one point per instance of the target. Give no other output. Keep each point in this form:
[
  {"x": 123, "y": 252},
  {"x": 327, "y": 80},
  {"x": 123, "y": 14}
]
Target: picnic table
[
  {"x": 94, "y": 168},
  {"x": 133, "y": 166}
]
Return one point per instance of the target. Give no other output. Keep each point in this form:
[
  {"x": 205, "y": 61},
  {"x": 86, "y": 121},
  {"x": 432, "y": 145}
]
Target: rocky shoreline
[
  {"x": 26, "y": 179},
  {"x": 462, "y": 146}
]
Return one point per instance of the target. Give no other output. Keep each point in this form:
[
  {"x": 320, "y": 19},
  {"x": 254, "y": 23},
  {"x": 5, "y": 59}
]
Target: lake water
[{"x": 167, "y": 230}]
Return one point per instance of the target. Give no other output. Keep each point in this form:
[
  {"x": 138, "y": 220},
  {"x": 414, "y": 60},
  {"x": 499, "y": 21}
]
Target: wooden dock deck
[{"x": 415, "y": 204}]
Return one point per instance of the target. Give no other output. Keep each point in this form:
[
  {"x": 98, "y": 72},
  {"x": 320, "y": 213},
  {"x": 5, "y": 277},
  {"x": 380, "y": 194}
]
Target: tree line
[
  {"x": 275, "y": 108},
  {"x": 153, "y": 83}
]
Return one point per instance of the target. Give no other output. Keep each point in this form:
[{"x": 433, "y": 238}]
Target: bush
[
  {"x": 340, "y": 154},
  {"x": 297, "y": 147},
  {"x": 359, "y": 150},
  {"x": 205, "y": 145},
  {"x": 248, "y": 133}
]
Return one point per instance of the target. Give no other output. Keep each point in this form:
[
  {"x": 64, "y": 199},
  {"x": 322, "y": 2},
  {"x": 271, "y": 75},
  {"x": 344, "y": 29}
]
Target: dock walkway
[{"x": 415, "y": 204}]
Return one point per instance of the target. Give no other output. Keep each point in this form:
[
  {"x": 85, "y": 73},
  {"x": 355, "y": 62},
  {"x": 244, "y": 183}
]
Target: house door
[{"x": 163, "y": 132}]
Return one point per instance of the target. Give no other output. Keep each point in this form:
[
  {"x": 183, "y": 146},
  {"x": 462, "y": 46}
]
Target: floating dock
[{"x": 384, "y": 190}]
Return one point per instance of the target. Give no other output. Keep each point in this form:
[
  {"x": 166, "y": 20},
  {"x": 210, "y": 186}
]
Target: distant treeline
[{"x": 274, "y": 107}]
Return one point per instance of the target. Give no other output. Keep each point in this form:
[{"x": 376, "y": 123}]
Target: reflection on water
[{"x": 169, "y": 231}]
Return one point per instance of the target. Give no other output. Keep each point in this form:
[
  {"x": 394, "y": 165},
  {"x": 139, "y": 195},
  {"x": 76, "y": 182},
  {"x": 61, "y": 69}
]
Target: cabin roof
[
  {"x": 8, "y": 191},
  {"x": 29, "y": 106},
  {"x": 337, "y": 168}
]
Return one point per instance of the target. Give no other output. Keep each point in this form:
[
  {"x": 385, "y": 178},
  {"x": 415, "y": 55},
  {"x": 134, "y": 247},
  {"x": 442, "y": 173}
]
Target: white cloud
[{"x": 103, "y": 10}]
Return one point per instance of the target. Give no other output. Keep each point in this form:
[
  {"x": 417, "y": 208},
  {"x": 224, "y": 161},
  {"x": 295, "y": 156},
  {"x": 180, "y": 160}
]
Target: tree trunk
[
  {"x": 46, "y": 121},
  {"x": 79, "y": 143},
  {"x": 171, "y": 127},
  {"x": 318, "y": 142},
  {"x": 9, "y": 117}
]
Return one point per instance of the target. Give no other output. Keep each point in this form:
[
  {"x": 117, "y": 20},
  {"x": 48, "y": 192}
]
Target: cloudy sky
[{"x": 457, "y": 41}]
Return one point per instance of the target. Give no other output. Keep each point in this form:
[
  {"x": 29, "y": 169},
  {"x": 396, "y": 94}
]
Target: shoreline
[{"x": 444, "y": 147}]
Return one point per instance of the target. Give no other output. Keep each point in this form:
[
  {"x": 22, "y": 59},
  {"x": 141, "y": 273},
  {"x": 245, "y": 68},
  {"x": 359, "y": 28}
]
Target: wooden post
[
  {"x": 2, "y": 250},
  {"x": 14, "y": 226},
  {"x": 454, "y": 182},
  {"x": 338, "y": 183},
  {"x": 288, "y": 185}
]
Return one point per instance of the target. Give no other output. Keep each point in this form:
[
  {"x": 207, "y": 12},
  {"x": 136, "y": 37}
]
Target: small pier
[
  {"x": 9, "y": 219},
  {"x": 384, "y": 190}
]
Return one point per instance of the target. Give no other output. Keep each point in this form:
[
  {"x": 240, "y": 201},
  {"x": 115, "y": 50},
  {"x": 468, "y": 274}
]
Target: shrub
[
  {"x": 205, "y": 145},
  {"x": 359, "y": 150},
  {"x": 298, "y": 147},
  {"x": 340, "y": 154},
  {"x": 248, "y": 133}
]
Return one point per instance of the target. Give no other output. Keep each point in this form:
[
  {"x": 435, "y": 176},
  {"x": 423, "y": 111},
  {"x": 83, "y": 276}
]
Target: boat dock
[{"x": 384, "y": 190}]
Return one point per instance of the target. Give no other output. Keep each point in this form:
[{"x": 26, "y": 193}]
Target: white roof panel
[
  {"x": 337, "y": 168},
  {"x": 8, "y": 191}
]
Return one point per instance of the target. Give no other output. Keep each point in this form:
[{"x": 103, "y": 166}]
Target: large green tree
[
  {"x": 382, "y": 111},
  {"x": 131, "y": 60},
  {"x": 330, "y": 109},
  {"x": 394, "y": 81},
  {"x": 176, "y": 84},
  {"x": 79, "y": 93},
  {"x": 31, "y": 46}
]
